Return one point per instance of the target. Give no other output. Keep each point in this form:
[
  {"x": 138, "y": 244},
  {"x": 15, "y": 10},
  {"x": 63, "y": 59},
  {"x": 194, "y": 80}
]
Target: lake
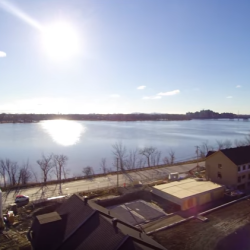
[{"x": 87, "y": 142}]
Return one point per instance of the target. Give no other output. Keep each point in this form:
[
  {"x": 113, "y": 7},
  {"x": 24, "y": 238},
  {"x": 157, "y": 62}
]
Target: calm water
[{"x": 86, "y": 142}]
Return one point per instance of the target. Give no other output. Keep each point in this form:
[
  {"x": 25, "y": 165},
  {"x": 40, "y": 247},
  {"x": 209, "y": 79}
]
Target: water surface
[{"x": 87, "y": 142}]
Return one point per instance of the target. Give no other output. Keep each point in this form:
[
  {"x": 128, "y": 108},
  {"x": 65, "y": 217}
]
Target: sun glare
[
  {"x": 60, "y": 40},
  {"x": 64, "y": 132}
]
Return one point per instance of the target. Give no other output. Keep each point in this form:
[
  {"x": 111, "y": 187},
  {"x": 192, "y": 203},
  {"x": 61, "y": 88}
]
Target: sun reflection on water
[{"x": 64, "y": 132}]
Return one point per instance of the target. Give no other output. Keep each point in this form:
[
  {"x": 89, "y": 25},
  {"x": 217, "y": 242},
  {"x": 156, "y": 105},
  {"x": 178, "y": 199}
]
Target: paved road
[{"x": 145, "y": 176}]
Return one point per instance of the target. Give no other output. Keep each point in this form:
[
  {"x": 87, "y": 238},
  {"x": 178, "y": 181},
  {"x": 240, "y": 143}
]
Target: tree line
[
  {"x": 124, "y": 159},
  {"x": 14, "y": 174},
  {"x": 205, "y": 147}
]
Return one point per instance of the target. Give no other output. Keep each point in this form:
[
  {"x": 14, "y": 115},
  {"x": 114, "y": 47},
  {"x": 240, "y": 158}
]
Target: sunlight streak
[
  {"x": 17, "y": 12},
  {"x": 64, "y": 132}
]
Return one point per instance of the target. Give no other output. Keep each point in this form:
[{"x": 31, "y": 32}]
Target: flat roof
[{"x": 186, "y": 188}]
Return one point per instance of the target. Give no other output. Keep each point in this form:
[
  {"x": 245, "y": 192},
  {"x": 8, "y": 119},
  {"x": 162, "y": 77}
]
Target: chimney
[
  {"x": 114, "y": 222},
  {"x": 85, "y": 200}
]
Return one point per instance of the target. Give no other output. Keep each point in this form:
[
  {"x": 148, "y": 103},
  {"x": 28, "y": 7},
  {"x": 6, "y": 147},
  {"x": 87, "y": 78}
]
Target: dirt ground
[
  {"x": 227, "y": 228},
  {"x": 13, "y": 237}
]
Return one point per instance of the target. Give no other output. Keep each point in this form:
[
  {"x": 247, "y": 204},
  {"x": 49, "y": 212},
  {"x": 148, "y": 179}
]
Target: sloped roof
[
  {"x": 239, "y": 155},
  {"x": 84, "y": 227},
  {"x": 210, "y": 153}
]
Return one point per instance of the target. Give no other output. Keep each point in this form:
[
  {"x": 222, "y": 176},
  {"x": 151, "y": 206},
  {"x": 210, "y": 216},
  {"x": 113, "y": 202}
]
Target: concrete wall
[{"x": 228, "y": 170}]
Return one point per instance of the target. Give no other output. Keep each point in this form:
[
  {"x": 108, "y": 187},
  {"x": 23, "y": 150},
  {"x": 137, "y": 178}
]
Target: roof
[
  {"x": 227, "y": 229},
  {"x": 186, "y": 188},
  {"x": 239, "y": 155},
  {"x": 210, "y": 153},
  {"x": 50, "y": 217},
  {"x": 83, "y": 226}
]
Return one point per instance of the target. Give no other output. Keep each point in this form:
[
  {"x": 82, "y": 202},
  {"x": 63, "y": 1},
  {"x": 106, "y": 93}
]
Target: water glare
[{"x": 64, "y": 132}]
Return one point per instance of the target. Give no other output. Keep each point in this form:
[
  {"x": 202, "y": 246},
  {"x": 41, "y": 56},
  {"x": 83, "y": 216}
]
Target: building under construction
[{"x": 189, "y": 193}]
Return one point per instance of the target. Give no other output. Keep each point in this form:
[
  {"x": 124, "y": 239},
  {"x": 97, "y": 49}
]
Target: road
[{"x": 144, "y": 176}]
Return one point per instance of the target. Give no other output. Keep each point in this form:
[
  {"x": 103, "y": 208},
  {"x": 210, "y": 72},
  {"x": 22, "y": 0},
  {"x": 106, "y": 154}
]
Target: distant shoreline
[{"x": 201, "y": 115}]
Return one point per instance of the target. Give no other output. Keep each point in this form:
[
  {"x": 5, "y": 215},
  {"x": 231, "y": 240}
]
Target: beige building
[
  {"x": 230, "y": 167},
  {"x": 189, "y": 193}
]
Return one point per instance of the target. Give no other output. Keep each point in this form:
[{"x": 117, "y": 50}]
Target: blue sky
[{"x": 166, "y": 56}]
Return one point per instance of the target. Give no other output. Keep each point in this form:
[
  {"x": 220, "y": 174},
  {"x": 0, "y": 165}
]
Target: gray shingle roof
[{"x": 83, "y": 227}]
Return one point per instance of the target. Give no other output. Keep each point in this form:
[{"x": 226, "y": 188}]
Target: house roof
[
  {"x": 84, "y": 226},
  {"x": 239, "y": 155},
  {"x": 210, "y": 153}
]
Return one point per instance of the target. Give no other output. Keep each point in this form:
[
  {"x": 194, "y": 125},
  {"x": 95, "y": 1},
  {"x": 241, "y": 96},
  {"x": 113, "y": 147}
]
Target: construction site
[{"x": 174, "y": 201}]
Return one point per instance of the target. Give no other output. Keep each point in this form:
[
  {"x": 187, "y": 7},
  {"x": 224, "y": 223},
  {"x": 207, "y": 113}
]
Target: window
[
  {"x": 219, "y": 175},
  {"x": 239, "y": 179},
  {"x": 243, "y": 176},
  {"x": 238, "y": 169},
  {"x": 244, "y": 167},
  {"x": 220, "y": 166}
]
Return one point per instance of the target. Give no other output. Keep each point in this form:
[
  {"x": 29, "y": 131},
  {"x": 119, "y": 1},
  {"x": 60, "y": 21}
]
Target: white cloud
[
  {"x": 238, "y": 86},
  {"x": 141, "y": 87},
  {"x": 174, "y": 92},
  {"x": 2, "y": 54},
  {"x": 151, "y": 97},
  {"x": 115, "y": 96},
  {"x": 229, "y": 97}
]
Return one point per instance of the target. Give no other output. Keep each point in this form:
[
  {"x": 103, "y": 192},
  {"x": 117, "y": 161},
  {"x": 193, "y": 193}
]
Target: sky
[{"x": 117, "y": 56}]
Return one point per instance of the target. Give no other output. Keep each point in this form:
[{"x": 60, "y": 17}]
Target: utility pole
[
  {"x": 197, "y": 153},
  {"x": 117, "y": 164}
]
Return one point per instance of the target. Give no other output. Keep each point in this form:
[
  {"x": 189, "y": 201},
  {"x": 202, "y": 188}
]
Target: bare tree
[
  {"x": 24, "y": 174},
  {"x": 204, "y": 148},
  {"x": 131, "y": 161},
  {"x": 172, "y": 156},
  {"x": 66, "y": 173},
  {"x": 59, "y": 163},
  {"x": 88, "y": 171},
  {"x": 45, "y": 165},
  {"x": 34, "y": 174},
  {"x": 3, "y": 172},
  {"x": 141, "y": 163},
  {"x": 220, "y": 144},
  {"x": 120, "y": 151},
  {"x": 227, "y": 144},
  {"x": 155, "y": 158},
  {"x": 14, "y": 172},
  {"x": 147, "y": 152},
  {"x": 247, "y": 140},
  {"x": 11, "y": 168},
  {"x": 168, "y": 160},
  {"x": 238, "y": 143},
  {"x": 103, "y": 165}
]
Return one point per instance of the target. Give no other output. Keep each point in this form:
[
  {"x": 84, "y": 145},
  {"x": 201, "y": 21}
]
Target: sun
[{"x": 60, "y": 40}]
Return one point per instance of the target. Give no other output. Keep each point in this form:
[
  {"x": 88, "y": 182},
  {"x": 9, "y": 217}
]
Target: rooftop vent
[{"x": 85, "y": 198}]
